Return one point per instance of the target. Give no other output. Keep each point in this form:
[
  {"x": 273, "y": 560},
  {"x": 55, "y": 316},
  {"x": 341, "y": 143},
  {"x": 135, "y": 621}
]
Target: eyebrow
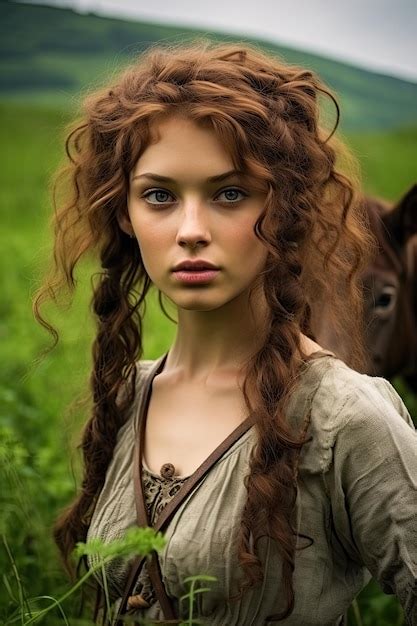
[{"x": 213, "y": 179}]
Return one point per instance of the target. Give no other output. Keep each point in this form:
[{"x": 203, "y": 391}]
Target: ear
[
  {"x": 124, "y": 223},
  {"x": 401, "y": 221}
]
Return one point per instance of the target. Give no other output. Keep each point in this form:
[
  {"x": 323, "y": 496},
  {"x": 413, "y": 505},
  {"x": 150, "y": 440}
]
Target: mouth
[
  {"x": 194, "y": 265},
  {"x": 197, "y": 269},
  {"x": 196, "y": 276}
]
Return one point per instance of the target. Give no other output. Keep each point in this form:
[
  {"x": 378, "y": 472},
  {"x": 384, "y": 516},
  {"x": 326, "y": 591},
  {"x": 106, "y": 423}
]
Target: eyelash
[{"x": 151, "y": 191}]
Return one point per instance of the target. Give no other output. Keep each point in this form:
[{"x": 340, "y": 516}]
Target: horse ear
[{"x": 401, "y": 221}]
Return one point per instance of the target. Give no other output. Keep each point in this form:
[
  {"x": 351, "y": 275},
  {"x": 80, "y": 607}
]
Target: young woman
[{"x": 204, "y": 172}]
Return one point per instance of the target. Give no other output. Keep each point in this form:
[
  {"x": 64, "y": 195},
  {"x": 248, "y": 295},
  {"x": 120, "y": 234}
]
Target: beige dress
[{"x": 357, "y": 498}]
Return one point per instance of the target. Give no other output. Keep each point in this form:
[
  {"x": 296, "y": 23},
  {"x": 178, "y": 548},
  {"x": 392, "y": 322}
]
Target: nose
[{"x": 193, "y": 228}]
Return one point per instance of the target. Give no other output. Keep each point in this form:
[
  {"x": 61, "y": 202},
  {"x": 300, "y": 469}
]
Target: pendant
[
  {"x": 167, "y": 470},
  {"x": 137, "y": 602}
]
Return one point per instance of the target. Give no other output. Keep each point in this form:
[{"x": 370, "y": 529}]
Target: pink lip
[
  {"x": 194, "y": 265},
  {"x": 195, "y": 276}
]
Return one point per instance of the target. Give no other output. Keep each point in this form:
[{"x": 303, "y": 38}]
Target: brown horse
[{"x": 390, "y": 292}]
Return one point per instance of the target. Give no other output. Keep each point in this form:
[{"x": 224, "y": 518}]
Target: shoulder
[
  {"x": 354, "y": 407},
  {"x": 142, "y": 371},
  {"x": 145, "y": 366},
  {"x": 344, "y": 395}
]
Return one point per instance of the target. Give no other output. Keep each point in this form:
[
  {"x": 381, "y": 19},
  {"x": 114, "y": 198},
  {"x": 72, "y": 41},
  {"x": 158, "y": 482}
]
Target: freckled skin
[{"x": 192, "y": 219}]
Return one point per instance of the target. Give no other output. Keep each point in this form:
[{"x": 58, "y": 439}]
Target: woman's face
[{"x": 178, "y": 214}]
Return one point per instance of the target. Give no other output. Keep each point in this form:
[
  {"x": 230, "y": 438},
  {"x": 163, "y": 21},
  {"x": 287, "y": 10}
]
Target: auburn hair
[{"x": 268, "y": 115}]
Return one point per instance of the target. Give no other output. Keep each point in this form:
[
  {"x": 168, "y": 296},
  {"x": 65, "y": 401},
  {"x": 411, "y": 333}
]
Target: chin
[
  {"x": 198, "y": 306},
  {"x": 199, "y": 302}
]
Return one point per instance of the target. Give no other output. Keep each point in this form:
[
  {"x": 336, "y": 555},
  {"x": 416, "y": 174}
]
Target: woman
[{"x": 204, "y": 171}]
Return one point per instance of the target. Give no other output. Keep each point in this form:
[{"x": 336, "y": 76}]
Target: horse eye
[{"x": 386, "y": 299}]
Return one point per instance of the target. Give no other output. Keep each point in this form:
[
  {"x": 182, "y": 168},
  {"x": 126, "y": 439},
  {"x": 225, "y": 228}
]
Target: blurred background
[{"x": 52, "y": 54}]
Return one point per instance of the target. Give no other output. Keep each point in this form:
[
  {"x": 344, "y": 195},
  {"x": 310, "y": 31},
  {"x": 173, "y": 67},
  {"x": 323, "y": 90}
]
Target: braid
[{"x": 117, "y": 346}]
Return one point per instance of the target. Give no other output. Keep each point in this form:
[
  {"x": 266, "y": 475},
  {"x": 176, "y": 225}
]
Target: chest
[
  {"x": 203, "y": 538},
  {"x": 185, "y": 424}
]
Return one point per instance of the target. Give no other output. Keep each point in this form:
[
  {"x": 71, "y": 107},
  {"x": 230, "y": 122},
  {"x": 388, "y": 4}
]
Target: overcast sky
[{"x": 378, "y": 34}]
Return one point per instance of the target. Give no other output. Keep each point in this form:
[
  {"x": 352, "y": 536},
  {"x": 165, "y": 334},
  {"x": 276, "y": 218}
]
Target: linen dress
[{"x": 356, "y": 498}]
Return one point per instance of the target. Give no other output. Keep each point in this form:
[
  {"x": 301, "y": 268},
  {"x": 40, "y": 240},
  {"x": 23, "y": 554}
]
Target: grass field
[{"x": 37, "y": 432}]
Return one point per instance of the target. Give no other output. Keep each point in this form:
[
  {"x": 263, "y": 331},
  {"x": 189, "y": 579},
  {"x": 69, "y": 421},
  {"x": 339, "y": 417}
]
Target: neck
[{"x": 224, "y": 338}]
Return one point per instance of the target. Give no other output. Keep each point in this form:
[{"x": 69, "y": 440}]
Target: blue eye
[
  {"x": 160, "y": 194},
  {"x": 232, "y": 191},
  {"x": 162, "y": 197}
]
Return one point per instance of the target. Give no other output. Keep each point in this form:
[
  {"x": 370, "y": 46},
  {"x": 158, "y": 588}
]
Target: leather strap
[
  {"x": 168, "y": 512},
  {"x": 143, "y": 521}
]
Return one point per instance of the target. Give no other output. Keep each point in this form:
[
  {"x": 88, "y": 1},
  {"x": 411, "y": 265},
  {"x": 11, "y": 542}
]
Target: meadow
[{"x": 41, "y": 418}]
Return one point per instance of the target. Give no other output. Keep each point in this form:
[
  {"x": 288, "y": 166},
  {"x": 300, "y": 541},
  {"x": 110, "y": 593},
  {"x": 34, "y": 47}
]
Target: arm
[{"x": 372, "y": 484}]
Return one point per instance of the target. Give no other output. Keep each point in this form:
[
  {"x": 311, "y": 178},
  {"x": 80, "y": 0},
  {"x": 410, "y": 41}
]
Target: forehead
[{"x": 179, "y": 144}]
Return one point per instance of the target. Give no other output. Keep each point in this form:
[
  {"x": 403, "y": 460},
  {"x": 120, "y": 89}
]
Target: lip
[
  {"x": 195, "y": 265},
  {"x": 196, "y": 277}
]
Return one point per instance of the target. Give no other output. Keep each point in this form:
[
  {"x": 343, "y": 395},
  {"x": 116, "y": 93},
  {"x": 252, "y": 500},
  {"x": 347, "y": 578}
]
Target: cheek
[
  {"x": 246, "y": 244},
  {"x": 152, "y": 236}
]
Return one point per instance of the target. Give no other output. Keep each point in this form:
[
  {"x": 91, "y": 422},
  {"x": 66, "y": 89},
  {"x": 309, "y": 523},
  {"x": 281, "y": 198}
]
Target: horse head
[
  {"x": 390, "y": 292},
  {"x": 390, "y": 289}
]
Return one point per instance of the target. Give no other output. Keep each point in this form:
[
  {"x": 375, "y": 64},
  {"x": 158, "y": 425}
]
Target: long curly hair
[{"x": 268, "y": 115}]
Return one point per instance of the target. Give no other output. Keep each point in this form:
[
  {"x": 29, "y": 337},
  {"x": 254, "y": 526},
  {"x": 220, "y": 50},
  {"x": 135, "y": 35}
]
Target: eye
[
  {"x": 386, "y": 299},
  {"x": 161, "y": 196},
  {"x": 231, "y": 194}
]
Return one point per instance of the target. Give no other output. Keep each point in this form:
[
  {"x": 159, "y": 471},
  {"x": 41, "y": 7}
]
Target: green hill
[{"x": 50, "y": 54}]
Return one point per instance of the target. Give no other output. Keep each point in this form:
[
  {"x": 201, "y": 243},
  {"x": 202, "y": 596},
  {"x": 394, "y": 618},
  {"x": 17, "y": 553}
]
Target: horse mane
[{"x": 377, "y": 210}]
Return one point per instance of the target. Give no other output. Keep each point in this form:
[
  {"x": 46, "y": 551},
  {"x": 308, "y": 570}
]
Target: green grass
[
  {"x": 388, "y": 161},
  {"x": 37, "y": 432}
]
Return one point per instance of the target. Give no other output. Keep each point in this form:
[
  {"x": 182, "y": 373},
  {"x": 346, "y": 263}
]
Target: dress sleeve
[{"x": 372, "y": 485}]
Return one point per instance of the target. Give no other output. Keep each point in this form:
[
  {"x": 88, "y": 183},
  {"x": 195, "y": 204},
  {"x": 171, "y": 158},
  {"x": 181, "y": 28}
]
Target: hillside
[{"x": 51, "y": 55}]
